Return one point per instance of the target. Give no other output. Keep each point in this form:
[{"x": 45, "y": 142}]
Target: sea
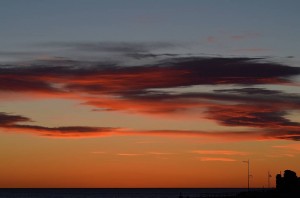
[{"x": 118, "y": 192}]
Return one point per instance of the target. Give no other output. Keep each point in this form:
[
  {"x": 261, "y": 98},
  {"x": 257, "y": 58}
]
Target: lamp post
[{"x": 248, "y": 162}]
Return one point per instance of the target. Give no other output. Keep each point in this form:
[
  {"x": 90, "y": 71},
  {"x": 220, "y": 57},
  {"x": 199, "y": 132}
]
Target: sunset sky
[{"x": 141, "y": 93}]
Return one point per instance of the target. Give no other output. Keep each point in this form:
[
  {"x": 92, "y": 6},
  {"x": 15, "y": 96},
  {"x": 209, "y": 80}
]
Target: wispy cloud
[
  {"x": 130, "y": 154},
  {"x": 246, "y": 35},
  {"x": 160, "y": 153},
  {"x": 294, "y": 147},
  {"x": 8, "y": 119},
  {"x": 12, "y": 123},
  {"x": 99, "y": 152},
  {"x": 283, "y": 155},
  {"x": 211, "y": 39},
  {"x": 111, "y": 47},
  {"x": 252, "y": 50},
  {"x": 218, "y": 155},
  {"x": 149, "y": 142},
  {"x": 218, "y": 159},
  {"x": 219, "y": 152}
]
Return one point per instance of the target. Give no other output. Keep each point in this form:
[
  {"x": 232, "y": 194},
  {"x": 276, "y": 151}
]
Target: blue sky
[{"x": 271, "y": 26}]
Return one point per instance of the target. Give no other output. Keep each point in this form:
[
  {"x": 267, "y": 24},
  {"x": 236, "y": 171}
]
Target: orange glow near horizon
[{"x": 140, "y": 161}]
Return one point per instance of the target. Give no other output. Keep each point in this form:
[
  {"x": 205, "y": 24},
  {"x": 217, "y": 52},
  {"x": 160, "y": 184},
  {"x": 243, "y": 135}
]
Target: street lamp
[{"x": 248, "y": 162}]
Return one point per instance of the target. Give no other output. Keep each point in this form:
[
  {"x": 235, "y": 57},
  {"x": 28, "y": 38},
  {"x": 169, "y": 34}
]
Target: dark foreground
[
  {"x": 119, "y": 192},
  {"x": 142, "y": 193},
  {"x": 267, "y": 194}
]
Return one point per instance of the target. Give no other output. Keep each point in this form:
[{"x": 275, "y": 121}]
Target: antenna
[{"x": 269, "y": 176}]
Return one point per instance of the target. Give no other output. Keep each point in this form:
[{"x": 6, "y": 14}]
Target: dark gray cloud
[
  {"x": 250, "y": 90},
  {"x": 141, "y": 56},
  {"x": 12, "y": 122},
  {"x": 170, "y": 73},
  {"x": 18, "y": 84},
  {"x": 248, "y": 115},
  {"x": 283, "y": 134},
  {"x": 8, "y": 119},
  {"x": 18, "y": 53}
]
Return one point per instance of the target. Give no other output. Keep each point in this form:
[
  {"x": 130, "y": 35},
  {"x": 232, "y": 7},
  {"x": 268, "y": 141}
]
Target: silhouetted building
[
  {"x": 279, "y": 182},
  {"x": 288, "y": 183}
]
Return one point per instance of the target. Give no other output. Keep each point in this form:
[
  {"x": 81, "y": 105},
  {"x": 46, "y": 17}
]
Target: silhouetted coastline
[
  {"x": 117, "y": 192},
  {"x": 287, "y": 186}
]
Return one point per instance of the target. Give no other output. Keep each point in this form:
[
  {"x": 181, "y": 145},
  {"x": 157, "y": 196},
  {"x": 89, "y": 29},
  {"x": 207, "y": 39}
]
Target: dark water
[{"x": 115, "y": 192}]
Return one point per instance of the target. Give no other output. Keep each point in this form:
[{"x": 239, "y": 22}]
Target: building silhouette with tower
[{"x": 289, "y": 182}]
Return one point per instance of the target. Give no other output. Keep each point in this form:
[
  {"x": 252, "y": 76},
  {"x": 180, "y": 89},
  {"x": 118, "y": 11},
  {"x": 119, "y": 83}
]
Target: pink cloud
[
  {"x": 220, "y": 152},
  {"x": 252, "y": 50},
  {"x": 130, "y": 154},
  {"x": 295, "y": 147},
  {"x": 245, "y": 36},
  {"x": 211, "y": 39},
  {"x": 98, "y": 152},
  {"x": 218, "y": 159},
  {"x": 160, "y": 153},
  {"x": 281, "y": 155}
]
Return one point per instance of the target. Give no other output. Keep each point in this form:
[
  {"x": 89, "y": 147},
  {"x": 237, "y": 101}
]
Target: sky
[{"x": 127, "y": 93}]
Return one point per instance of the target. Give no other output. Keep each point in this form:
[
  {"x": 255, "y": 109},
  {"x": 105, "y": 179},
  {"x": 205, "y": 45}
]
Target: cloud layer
[{"x": 145, "y": 90}]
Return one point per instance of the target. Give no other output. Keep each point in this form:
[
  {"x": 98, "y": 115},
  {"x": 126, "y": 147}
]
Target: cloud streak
[
  {"x": 219, "y": 152},
  {"x": 10, "y": 123},
  {"x": 130, "y": 154},
  {"x": 112, "y": 47},
  {"x": 217, "y": 159}
]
